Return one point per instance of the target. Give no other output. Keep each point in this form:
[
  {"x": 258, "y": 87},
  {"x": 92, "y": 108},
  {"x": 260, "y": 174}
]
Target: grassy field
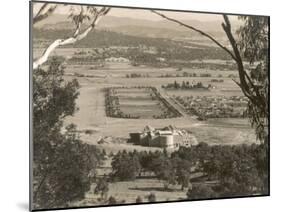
[
  {"x": 142, "y": 187},
  {"x": 226, "y": 131},
  {"x": 138, "y": 102},
  {"x": 91, "y": 114},
  {"x": 128, "y": 191}
]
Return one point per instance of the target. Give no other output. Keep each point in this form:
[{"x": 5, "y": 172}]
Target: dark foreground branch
[{"x": 197, "y": 30}]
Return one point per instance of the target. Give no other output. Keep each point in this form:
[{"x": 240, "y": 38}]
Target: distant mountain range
[{"x": 140, "y": 27}]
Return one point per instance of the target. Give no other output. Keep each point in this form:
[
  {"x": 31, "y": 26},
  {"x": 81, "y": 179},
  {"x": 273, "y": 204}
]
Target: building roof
[
  {"x": 165, "y": 132},
  {"x": 148, "y": 128}
]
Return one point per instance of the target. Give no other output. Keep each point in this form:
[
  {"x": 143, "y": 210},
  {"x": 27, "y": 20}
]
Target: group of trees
[
  {"x": 233, "y": 170},
  {"x": 102, "y": 188},
  {"x": 184, "y": 74},
  {"x": 112, "y": 106},
  {"x": 111, "y": 103},
  {"x": 171, "y": 171},
  {"x": 136, "y": 75},
  {"x": 238, "y": 170},
  {"x": 193, "y": 74},
  {"x": 185, "y": 85},
  {"x": 186, "y": 63},
  {"x": 63, "y": 166},
  {"x": 217, "y": 80}
]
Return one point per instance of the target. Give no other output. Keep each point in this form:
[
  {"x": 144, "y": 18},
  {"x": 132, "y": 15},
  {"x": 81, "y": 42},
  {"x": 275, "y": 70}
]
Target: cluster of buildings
[
  {"x": 215, "y": 107},
  {"x": 167, "y": 137}
]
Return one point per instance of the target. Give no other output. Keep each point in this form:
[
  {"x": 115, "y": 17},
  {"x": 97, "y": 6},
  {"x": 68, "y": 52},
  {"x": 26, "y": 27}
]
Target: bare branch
[
  {"x": 245, "y": 93},
  {"x": 246, "y": 82},
  {"x": 42, "y": 14},
  {"x": 241, "y": 71},
  {"x": 197, "y": 30},
  {"x": 41, "y": 10}
]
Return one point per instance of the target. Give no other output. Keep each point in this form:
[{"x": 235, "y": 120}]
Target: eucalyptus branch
[
  {"x": 42, "y": 14},
  {"x": 77, "y": 35}
]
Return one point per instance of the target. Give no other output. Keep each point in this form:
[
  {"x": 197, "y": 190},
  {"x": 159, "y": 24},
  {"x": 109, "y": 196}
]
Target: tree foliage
[
  {"x": 151, "y": 197},
  {"x": 112, "y": 201},
  {"x": 165, "y": 171},
  {"x": 182, "y": 168},
  {"x": 102, "y": 188},
  {"x": 254, "y": 46},
  {"x": 231, "y": 170},
  {"x": 125, "y": 166},
  {"x": 237, "y": 170},
  {"x": 201, "y": 191},
  {"x": 62, "y": 164},
  {"x": 170, "y": 170},
  {"x": 139, "y": 199}
]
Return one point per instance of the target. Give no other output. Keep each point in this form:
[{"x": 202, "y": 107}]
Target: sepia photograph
[{"x": 146, "y": 105}]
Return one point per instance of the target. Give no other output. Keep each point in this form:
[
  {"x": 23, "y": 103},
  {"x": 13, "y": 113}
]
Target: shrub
[
  {"x": 139, "y": 199},
  {"x": 151, "y": 197},
  {"x": 112, "y": 200}
]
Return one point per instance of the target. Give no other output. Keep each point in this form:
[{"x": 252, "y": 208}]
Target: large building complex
[{"x": 167, "y": 137}]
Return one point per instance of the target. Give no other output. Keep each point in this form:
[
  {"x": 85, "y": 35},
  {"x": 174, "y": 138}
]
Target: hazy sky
[{"x": 146, "y": 14}]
